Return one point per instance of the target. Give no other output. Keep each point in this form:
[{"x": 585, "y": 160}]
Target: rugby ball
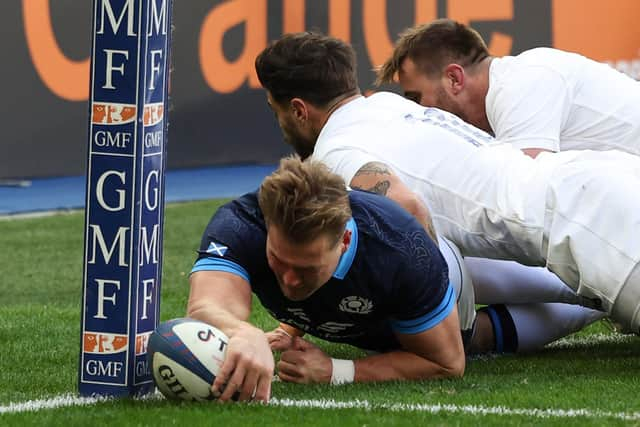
[{"x": 185, "y": 356}]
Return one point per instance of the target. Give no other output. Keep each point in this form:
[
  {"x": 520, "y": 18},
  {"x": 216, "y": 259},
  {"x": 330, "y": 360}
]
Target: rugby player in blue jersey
[{"x": 345, "y": 266}]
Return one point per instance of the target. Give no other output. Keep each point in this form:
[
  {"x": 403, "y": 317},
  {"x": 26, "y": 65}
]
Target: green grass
[{"x": 40, "y": 294}]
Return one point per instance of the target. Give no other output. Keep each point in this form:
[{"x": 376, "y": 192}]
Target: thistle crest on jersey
[{"x": 356, "y": 304}]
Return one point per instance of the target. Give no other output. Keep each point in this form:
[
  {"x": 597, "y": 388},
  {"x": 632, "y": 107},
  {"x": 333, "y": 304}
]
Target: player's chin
[{"x": 298, "y": 295}]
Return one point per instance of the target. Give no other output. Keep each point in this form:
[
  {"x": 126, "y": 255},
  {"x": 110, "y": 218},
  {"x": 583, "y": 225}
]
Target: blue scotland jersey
[{"x": 391, "y": 279}]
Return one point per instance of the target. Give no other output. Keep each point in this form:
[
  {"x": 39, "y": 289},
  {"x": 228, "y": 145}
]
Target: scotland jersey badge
[
  {"x": 356, "y": 304},
  {"x": 217, "y": 249}
]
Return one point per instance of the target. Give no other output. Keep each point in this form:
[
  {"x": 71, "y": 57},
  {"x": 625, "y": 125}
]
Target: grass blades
[{"x": 40, "y": 293}]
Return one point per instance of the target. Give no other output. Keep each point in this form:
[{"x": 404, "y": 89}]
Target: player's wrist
[{"x": 342, "y": 371}]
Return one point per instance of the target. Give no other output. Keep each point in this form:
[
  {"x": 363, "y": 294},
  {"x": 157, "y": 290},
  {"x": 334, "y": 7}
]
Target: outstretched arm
[
  {"x": 378, "y": 178},
  {"x": 224, "y": 301},
  {"x": 434, "y": 353}
]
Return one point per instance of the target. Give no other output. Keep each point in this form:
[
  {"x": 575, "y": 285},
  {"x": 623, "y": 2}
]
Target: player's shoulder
[
  {"x": 546, "y": 58},
  {"x": 242, "y": 214},
  {"x": 544, "y": 53},
  {"x": 391, "y": 237}
]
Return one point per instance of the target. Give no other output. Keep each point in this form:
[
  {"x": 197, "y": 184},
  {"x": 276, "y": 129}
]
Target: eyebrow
[{"x": 300, "y": 267}]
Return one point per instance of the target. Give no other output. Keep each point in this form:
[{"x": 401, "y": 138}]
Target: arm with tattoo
[
  {"x": 378, "y": 178},
  {"x": 373, "y": 172}
]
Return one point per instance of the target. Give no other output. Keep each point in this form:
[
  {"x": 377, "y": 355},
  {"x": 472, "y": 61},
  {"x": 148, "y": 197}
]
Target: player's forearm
[
  {"x": 221, "y": 299},
  {"x": 402, "y": 365},
  {"x": 223, "y": 319}
]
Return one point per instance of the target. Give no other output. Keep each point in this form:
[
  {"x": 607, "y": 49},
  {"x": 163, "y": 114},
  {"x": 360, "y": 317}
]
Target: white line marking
[
  {"x": 463, "y": 409},
  {"x": 55, "y": 402},
  {"x": 70, "y": 400}
]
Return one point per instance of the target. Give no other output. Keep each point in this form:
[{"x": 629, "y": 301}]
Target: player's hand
[
  {"x": 304, "y": 363},
  {"x": 247, "y": 368},
  {"x": 279, "y": 339}
]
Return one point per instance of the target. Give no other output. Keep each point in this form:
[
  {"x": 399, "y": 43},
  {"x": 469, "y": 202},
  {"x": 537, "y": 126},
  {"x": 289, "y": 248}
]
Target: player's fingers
[
  {"x": 234, "y": 384},
  {"x": 288, "y": 369},
  {"x": 263, "y": 389},
  {"x": 280, "y": 344},
  {"x": 231, "y": 390},
  {"x": 291, "y": 356},
  {"x": 290, "y": 378},
  {"x": 272, "y": 336},
  {"x": 228, "y": 366},
  {"x": 249, "y": 385},
  {"x": 301, "y": 344}
]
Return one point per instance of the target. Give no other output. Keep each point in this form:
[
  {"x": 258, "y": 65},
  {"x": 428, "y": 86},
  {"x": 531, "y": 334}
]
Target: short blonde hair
[
  {"x": 304, "y": 200},
  {"x": 432, "y": 46}
]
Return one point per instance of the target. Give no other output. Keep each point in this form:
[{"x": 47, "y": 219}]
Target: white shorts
[
  {"x": 592, "y": 230},
  {"x": 460, "y": 279}
]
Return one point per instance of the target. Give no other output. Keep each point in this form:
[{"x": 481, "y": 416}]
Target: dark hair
[
  {"x": 305, "y": 200},
  {"x": 311, "y": 66},
  {"x": 432, "y": 46}
]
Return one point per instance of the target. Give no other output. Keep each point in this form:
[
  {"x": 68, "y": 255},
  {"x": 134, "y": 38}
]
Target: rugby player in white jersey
[
  {"x": 570, "y": 212},
  {"x": 540, "y": 100}
]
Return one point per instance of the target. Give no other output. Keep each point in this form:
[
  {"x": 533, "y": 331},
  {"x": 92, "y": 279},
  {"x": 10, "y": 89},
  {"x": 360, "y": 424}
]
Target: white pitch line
[
  {"x": 70, "y": 400},
  {"x": 62, "y": 401},
  {"x": 463, "y": 409}
]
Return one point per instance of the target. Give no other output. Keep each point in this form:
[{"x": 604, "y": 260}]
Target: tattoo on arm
[
  {"x": 380, "y": 183},
  {"x": 380, "y": 188},
  {"x": 375, "y": 168}
]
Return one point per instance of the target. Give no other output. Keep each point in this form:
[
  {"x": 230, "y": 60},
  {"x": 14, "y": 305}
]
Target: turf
[{"x": 40, "y": 293}]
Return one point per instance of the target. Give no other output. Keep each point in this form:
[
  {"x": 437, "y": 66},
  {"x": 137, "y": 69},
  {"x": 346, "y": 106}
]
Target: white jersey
[
  {"x": 484, "y": 199},
  {"x": 555, "y": 100},
  {"x": 571, "y": 211}
]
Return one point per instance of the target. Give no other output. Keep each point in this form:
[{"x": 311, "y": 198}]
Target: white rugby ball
[{"x": 185, "y": 356}]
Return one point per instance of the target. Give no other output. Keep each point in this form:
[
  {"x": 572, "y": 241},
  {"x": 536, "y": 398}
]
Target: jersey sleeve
[
  {"x": 527, "y": 106},
  {"x": 230, "y": 243},
  {"x": 346, "y": 162},
  {"x": 422, "y": 295}
]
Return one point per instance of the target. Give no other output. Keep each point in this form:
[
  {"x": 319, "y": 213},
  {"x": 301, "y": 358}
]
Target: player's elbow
[
  {"x": 409, "y": 201},
  {"x": 455, "y": 368},
  {"x": 413, "y": 204}
]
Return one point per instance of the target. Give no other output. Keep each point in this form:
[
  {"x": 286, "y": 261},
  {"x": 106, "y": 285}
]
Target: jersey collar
[{"x": 347, "y": 258}]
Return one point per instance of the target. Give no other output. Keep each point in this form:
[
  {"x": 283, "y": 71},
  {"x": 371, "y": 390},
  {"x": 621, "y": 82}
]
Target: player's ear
[
  {"x": 454, "y": 78},
  {"x": 346, "y": 240},
  {"x": 300, "y": 109}
]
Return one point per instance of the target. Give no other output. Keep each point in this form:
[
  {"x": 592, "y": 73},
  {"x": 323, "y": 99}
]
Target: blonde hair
[
  {"x": 304, "y": 200},
  {"x": 432, "y": 46}
]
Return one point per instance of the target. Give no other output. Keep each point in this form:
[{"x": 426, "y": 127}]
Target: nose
[{"x": 291, "y": 279}]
